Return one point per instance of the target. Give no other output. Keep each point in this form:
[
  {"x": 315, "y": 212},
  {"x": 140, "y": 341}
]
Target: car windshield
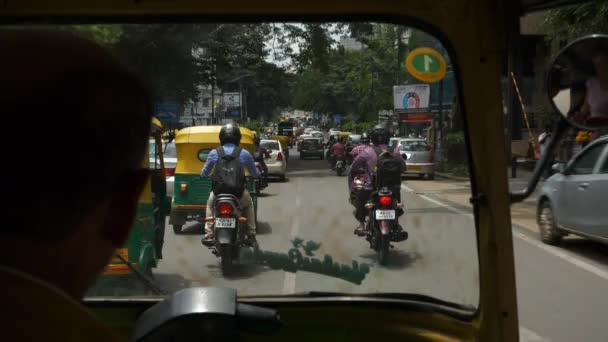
[
  {"x": 270, "y": 78},
  {"x": 170, "y": 151},
  {"x": 414, "y": 145},
  {"x": 270, "y": 145}
]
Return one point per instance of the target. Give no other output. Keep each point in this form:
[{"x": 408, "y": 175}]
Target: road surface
[{"x": 561, "y": 290}]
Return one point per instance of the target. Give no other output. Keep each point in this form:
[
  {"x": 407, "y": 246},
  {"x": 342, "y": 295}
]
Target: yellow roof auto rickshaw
[
  {"x": 476, "y": 36},
  {"x": 143, "y": 248},
  {"x": 190, "y": 190},
  {"x": 343, "y": 136}
]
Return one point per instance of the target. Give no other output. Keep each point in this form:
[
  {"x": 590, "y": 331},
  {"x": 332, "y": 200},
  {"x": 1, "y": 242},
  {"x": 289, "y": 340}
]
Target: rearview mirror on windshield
[{"x": 577, "y": 82}]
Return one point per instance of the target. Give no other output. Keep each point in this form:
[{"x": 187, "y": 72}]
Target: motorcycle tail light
[
  {"x": 386, "y": 201},
  {"x": 169, "y": 172},
  {"x": 225, "y": 209},
  {"x": 432, "y": 153}
]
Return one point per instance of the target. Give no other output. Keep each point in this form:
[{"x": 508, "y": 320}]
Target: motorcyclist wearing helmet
[
  {"x": 367, "y": 160},
  {"x": 230, "y": 138},
  {"x": 260, "y": 154},
  {"x": 365, "y": 144}
]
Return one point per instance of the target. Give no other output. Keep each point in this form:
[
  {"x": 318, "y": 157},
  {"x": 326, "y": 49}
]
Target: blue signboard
[
  {"x": 355, "y": 118},
  {"x": 167, "y": 112},
  {"x": 235, "y": 113},
  {"x": 315, "y": 115},
  {"x": 337, "y": 118}
]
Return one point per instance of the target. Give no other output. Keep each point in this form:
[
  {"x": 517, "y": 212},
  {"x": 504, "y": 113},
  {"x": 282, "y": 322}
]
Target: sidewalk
[
  {"x": 456, "y": 190},
  {"x": 523, "y": 176}
]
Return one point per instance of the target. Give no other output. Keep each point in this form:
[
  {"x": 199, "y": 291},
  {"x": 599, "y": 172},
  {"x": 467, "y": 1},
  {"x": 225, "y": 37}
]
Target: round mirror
[{"x": 577, "y": 82}]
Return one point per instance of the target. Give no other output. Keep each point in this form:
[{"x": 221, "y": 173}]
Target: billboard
[
  {"x": 413, "y": 98},
  {"x": 232, "y": 100},
  {"x": 167, "y": 112}
]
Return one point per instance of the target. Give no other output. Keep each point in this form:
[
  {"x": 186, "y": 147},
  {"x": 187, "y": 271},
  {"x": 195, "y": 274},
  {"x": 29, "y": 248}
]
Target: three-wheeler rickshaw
[
  {"x": 191, "y": 191},
  {"x": 143, "y": 248}
]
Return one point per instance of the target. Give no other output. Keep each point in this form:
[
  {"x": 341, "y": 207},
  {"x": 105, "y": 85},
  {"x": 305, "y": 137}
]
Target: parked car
[
  {"x": 573, "y": 200},
  {"x": 277, "y": 165},
  {"x": 312, "y": 147},
  {"x": 419, "y": 156}
]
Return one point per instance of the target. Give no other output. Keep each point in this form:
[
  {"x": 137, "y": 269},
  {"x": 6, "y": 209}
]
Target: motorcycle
[
  {"x": 382, "y": 224},
  {"x": 340, "y": 164},
  {"x": 260, "y": 183},
  {"x": 230, "y": 228}
]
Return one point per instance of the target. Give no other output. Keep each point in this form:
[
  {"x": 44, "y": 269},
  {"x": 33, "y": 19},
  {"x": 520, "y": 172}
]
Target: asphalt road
[{"x": 561, "y": 291}]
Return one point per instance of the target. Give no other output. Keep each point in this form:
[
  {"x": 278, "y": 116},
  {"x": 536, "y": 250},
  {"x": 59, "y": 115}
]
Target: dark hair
[{"x": 75, "y": 122}]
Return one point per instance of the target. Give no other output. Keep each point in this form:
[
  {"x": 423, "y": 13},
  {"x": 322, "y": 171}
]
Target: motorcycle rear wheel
[
  {"x": 226, "y": 258},
  {"x": 383, "y": 250}
]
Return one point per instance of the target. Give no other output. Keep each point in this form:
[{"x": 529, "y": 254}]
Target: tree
[{"x": 567, "y": 23}]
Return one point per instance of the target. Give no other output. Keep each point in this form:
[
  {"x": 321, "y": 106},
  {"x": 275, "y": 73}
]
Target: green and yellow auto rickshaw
[
  {"x": 143, "y": 247},
  {"x": 191, "y": 190}
]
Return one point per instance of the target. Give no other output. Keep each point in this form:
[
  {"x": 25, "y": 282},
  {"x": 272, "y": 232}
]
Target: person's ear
[{"x": 123, "y": 206}]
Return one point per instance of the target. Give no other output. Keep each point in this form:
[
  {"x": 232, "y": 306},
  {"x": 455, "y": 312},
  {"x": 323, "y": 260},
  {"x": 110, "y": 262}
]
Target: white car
[
  {"x": 170, "y": 159},
  {"x": 277, "y": 165}
]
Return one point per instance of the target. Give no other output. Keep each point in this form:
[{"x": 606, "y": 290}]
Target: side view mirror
[
  {"x": 558, "y": 167},
  {"x": 576, "y": 82},
  {"x": 269, "y": 151},
  {"x": 576, "y": 88},
  {"x": 404, "y": 156}
]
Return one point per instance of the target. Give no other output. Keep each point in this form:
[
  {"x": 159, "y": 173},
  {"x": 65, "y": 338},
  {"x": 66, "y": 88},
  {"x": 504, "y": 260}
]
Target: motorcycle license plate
[
  {"x": 385, "y": 214},
  {"x": 221, "y": 222}
]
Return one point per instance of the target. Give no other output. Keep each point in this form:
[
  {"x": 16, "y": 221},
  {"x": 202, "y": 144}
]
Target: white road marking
[
  {"x": 555, "y": 251},
  {"x": 527, "y": 335},
  {"x": 289, "y": 283}
]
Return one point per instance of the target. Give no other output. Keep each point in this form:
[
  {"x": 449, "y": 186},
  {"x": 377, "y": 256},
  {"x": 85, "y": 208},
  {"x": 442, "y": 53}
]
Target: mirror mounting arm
[{"x": 558, "y": 132}]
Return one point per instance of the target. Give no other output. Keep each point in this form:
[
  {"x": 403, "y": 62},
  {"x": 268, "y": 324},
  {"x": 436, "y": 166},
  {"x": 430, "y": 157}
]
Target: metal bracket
[{"x": 479, "y": 199}]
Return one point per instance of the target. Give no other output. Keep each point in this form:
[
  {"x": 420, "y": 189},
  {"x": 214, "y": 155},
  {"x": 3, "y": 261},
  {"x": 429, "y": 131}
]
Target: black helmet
[
  {"x": 230, "y": 134},
  {"x": 364, "y": 138},
  {"x": 379, "y": 135}
]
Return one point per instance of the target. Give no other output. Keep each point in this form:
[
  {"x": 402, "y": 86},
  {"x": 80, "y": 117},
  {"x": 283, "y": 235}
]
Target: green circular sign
[{"x": 426, "y": 64}]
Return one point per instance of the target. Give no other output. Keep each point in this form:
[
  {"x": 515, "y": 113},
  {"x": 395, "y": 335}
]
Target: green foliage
[
  {"x": 107, "y": 35},
  {"x": 567, "y": 23},
  {"x": 253, "y": 125},
  {"x": 454, "y": 139}
]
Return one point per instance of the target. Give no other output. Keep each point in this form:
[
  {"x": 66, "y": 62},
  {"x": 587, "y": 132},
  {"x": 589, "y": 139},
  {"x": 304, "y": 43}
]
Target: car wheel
[
  {"x": 177, "y": 228},
  {"x": 301, "y": 156},
  {"x": 549, "y": 233},
  {"x": 421, "y": 176},
  {"x": 431, "y": 176},
  {"x": 282, "y": 178}
]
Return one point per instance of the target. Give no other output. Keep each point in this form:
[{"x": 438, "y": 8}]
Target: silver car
[
  {"x": 573, "y": 201},
  {"x": 419, "y": 156}
]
